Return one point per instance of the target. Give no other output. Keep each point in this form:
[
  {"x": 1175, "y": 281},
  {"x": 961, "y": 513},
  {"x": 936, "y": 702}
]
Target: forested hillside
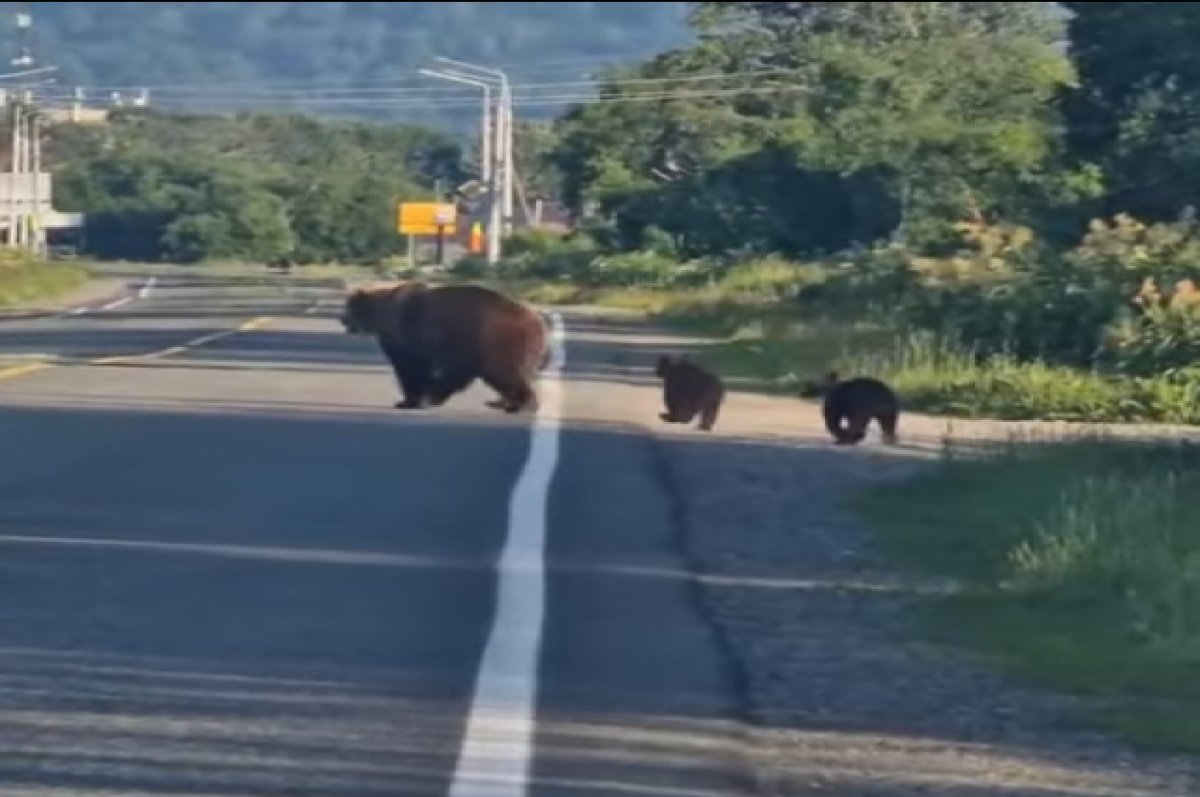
[{"x": 224, "y": 45}]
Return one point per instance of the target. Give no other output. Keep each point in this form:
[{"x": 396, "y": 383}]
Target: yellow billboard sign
[{"x": 426, "y": 218}]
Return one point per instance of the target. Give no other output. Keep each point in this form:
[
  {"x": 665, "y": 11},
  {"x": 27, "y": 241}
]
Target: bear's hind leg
[
  {"x": 888, "y": 420},
  {"x": 855, "y": 431},
  {"x": 516, "y": 393},
  {"x": 709, "y": 414}
]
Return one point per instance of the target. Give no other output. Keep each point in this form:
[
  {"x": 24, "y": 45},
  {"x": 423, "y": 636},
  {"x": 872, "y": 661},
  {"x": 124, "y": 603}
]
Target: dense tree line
[
  {"x": 952, "y": 165},
  {"x": 844, "y": 123},
  {"x": 794, "y": 128},
  {"x": 837, "y": 123},
  {"x": 169, "y": 187}
]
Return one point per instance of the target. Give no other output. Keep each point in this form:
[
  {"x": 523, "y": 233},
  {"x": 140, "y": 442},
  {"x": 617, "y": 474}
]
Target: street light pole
[
  {"x": 489, "y": 170},
  {"x": 504, "y": 133},
  {"x": 36, "y": 235},
  {"x": 486, "y": 157}
]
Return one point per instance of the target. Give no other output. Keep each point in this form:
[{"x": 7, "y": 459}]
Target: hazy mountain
[{"x": 176, "y": 49}]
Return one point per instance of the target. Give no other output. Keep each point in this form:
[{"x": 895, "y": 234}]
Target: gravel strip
[
  {"x": 841, "y": 700},
  {"x": 843, "y": 703}
]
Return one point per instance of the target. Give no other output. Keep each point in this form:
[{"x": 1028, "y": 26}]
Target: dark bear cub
[
  {"x": 849, "y": 406},
  {"x": 689, "y": 390}
]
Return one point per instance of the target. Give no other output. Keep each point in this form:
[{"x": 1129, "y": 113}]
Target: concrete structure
[
  {"x": 76, "y": 113},
  {"x": 20, "y": 196}
]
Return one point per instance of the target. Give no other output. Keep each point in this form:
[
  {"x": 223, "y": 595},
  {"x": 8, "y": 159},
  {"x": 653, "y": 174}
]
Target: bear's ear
[
  {"x": 831, "y": 377},
  {"x": 663, "y": 364}
]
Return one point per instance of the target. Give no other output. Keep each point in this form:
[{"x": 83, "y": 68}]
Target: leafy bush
[
  {"x": 633, "y": 270},
  {"x": 1005, "y": 327}
]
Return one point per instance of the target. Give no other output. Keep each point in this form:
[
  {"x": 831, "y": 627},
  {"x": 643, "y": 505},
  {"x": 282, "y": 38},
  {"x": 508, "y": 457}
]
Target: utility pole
[
  {"x": 501, "y": 187},
  {"x": 509, "y": 160},
  {"x": 493, "y": 146},
  {"x": 25, "y": 227},
  {"x": 504, "y": 135},
  {"x": 37, "y": 233}
]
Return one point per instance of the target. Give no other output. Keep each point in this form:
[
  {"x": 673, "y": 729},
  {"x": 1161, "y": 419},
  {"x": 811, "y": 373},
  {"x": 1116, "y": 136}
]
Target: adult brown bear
[{"x": 440, "y": 339}]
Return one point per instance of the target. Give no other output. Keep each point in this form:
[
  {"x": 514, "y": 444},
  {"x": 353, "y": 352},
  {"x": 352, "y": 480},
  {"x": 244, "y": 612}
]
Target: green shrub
[{"x": 1004, "y": 328}]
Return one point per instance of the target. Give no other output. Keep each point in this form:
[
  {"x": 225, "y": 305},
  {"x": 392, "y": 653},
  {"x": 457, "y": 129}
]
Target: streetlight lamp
[
  {"x": 485, "y": 146},
  {"x": 504, "y": 131},
  {"x": 487, "y": 157}
]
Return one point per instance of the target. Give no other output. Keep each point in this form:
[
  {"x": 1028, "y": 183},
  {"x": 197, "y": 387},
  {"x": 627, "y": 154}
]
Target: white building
[{"x": 21, "y": 196}]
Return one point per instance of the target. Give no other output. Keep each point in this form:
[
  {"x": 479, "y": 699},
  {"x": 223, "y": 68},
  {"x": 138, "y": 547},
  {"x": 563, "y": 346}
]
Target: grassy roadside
[
  {"x": 771, "y": 347},
  {"x": 1079, "y": 568},
  {"x": 24, "y": 280}
]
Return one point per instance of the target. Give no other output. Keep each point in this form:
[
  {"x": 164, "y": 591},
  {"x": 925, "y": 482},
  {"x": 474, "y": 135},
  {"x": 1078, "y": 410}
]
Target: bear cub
[
  {"x": 850, "y": 405},
  {"x": 689, "y": 390}
]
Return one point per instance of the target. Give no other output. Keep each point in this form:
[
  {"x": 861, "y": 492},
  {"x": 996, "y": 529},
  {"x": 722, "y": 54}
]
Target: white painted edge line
[
  {"x": 497, "y": 746},
  {"x": 142, "y": 293},
  {"x": 117, "y": 303}
]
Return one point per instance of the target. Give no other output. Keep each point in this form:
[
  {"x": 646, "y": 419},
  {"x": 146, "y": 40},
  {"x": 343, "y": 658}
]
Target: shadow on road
[
  {"x": 292, "y": 602},
  {"x": 230, "y": 604}
]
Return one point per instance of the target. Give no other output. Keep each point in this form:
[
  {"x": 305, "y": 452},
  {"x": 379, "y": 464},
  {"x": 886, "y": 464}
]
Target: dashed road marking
[
  {"x": 194, "y": 343},
  {"x": 117, "y": 303},
  {"x": 142, "y": 293},
  {"x": 20, "y": 370}
]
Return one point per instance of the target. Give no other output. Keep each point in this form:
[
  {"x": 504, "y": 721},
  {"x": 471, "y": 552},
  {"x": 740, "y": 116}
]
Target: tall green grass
[
  {"x": 24, "y": 281},
  {"x": 771, "y": 346},
  {"x": 944, "y": 379},
  {"x": 1079, "y": 569}
]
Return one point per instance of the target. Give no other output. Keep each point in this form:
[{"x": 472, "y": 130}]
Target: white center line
[{"x": 498, "y": 744}]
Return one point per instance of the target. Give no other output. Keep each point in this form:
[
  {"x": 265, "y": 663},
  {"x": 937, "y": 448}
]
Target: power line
[
  {"x": 545, "y": 66},
  {"x": 23, "y": 180},
  {"x": 441, "y": 98},
  {"x": 465, "y": 102},
  {"x": 397, "y": 89}
]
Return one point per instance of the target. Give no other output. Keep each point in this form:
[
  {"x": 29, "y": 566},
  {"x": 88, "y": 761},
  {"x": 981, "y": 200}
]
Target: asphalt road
[{"x": 229, "y": 568}]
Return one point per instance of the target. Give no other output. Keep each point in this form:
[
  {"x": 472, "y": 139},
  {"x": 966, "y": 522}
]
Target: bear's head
[
  {"x": 371, "y": 309},
  {"x": 666, "y": 364},
  {"x": 815, "y": 388}
]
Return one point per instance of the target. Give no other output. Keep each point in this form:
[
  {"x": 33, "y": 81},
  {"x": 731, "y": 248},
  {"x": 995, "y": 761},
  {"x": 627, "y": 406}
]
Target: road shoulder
[
  {"x": 842, "y": 701},
  {"x": 95, "y": 291}
]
